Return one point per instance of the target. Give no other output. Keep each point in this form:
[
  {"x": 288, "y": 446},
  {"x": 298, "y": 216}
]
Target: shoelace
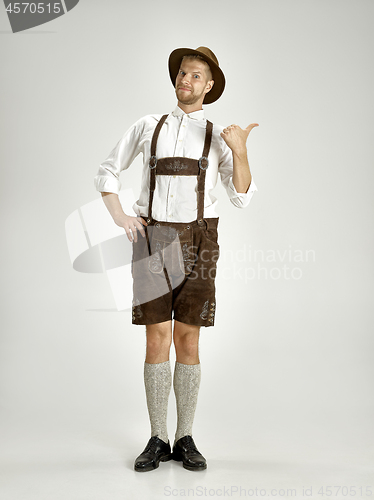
[
  {"x": 189, "y": 444},
  {"x": 152, "y": 445}
]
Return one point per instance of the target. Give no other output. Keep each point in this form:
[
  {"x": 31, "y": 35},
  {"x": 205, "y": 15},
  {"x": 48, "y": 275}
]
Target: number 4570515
[{"x": 40, "y": 7}]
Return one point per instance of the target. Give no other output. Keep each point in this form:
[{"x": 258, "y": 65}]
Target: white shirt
[{"x": 175, "y": 196}]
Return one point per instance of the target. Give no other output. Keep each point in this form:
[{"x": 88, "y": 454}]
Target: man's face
[{"x": 192, "y": 82}]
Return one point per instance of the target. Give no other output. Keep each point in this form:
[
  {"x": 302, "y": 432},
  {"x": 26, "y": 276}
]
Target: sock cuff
[
  {"x": 158, "y": 364},
  {"x": 182, "y": 368},
  {"x": 163, "y": 367},
  {"x": 182, "y": 365}
]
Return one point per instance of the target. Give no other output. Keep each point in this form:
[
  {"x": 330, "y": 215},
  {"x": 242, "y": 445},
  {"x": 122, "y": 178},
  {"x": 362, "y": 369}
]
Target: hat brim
[{"x": 175, "y": 60}]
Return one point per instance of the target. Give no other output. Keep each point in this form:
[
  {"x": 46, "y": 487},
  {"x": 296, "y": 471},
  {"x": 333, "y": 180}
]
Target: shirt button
[
  {"x": 171, "y": 196},
  {"x": 174, "y": 176}
]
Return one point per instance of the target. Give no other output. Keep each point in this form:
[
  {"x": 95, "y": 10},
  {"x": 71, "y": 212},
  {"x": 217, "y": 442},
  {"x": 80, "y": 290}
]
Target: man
[{"x": 183, "y": 154}]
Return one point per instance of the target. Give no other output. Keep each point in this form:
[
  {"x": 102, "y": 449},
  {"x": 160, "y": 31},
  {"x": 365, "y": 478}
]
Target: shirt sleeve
[
  {"x": 120, "y": 158},
  {"x": 226, "y": 170}
]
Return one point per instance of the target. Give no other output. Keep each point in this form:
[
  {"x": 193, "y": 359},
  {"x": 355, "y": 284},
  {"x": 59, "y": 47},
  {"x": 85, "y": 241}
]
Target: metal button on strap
[
  {"x": 203, "y": 162},
  {"x": 152, "y": 162}
]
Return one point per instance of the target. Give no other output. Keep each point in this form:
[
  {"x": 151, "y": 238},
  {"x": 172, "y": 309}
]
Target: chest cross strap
[{"x": 178, "y": 165}]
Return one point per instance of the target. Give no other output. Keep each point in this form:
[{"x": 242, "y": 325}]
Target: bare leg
[
  {"x": 186, "y": 341},
  {"x": 158, "y": 342}
]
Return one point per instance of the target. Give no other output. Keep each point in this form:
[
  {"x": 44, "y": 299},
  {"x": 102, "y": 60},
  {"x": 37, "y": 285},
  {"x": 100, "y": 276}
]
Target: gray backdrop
[{"x": 287, "y": 374}]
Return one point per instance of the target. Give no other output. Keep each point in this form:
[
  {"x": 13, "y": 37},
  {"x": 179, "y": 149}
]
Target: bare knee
[
  {"x": 158, "y": 342},
  {"x": 186, "y": 341}
]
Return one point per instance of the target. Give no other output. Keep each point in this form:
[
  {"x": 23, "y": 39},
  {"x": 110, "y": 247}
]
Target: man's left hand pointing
[{"x": 236, "y": 137}]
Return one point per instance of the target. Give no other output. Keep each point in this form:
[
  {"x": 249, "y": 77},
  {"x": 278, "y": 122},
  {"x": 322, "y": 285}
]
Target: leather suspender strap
[
  {"x": 208, "y": 138},
  {"x": 156, "y": 134},
  {"x": 203, "y": 164},
  {"x": 152, "y": 165}
]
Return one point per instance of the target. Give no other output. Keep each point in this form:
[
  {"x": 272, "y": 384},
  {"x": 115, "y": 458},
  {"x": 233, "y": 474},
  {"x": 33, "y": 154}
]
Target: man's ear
[{"x": 210, "y": 85}]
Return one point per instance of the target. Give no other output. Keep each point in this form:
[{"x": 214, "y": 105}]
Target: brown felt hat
[{"x": 175, "y": 60}]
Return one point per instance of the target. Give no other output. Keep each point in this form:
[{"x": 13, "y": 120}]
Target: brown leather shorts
[{"x": 174, "y": 270}]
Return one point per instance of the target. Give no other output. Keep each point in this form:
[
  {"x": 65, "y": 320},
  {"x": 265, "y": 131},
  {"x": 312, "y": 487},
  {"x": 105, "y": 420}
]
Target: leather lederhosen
[{"x": 168, "y": 252}]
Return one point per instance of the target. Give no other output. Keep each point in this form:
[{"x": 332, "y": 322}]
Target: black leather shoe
[
  {"x": 155, "y": 451},
  {"x": 185, "y": 450}
]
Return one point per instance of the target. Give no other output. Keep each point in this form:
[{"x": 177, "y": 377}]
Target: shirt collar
[{"x": 195, "y": 115}]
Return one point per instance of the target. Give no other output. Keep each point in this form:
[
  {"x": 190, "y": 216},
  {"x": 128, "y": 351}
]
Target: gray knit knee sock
[
  {"x": 157, "y": 381},
  {"x": 186, "y": 387}
]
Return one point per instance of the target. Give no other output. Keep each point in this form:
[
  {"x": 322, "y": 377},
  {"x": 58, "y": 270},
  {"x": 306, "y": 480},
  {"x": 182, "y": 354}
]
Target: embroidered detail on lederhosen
[
  {"x": 204, "y": 312},
  {"x": 136, "y": 309}
]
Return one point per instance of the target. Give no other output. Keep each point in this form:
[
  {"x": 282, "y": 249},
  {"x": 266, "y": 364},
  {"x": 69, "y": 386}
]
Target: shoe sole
[
  {"x": 163, "y": 458},
  {"x": 178, "y": 458}
]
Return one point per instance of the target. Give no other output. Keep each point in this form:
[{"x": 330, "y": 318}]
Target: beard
[{"x": 188, "y": 97}]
